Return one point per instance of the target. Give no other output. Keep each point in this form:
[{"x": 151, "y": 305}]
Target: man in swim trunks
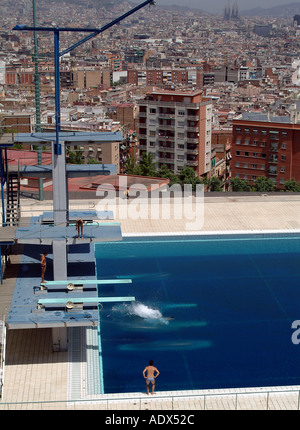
[
  {"x": 43, "y": 266},
  {"x": 151, "y": 370},
  {"x": 79, "y": 227}
]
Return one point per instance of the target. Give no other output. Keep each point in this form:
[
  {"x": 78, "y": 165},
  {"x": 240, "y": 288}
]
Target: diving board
[
  {"x": 88, "y": 282},
  {"x": 85, "y": 300}
]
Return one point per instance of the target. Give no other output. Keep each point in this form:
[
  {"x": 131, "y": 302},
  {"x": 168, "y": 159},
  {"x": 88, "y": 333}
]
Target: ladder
[{"x": 13, "y": 199}]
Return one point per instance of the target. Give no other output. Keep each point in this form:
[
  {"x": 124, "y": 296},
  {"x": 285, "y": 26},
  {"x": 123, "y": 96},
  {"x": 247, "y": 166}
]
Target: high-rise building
[
  {"x": 175, "y": 126},
  {"x": 268, "y": 146}
]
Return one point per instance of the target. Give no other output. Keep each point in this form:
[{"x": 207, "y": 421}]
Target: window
[
  {"x": 152, "y": 110},
  {"x": 264, "y": 132},
  {"x": 283, "y": 157},
  {"x": 246, "y": 154},
  {"x": 180, "y": 123},
  {"x": 246, "y": 130},
  {"x": 181, "y": 112},
  {"x": 152, "y": 144},
  {"x": 237, "y": 152},
  {"x": 180, "y": 135},
  {"x": 283, "y": 146},
  {"x": 180, "y": 146},
  {"x": 254, "y": 166},
  {"x": 282, "y": 169},
  {"x": 238, "y": 141}
]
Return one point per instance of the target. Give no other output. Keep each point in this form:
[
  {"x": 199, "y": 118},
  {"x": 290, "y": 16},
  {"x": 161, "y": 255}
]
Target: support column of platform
[{"x": 59, "y": 247}]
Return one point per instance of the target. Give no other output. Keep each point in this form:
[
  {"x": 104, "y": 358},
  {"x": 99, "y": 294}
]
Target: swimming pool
[{"x": 210, "y": 311}]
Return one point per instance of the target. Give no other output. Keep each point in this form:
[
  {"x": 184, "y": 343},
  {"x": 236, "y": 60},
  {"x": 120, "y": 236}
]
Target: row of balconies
[{"x": 172, "y": 161}]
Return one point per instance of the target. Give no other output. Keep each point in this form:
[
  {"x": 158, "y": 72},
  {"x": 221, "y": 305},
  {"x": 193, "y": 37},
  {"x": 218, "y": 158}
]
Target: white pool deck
[{"x": 37, "y": 378}]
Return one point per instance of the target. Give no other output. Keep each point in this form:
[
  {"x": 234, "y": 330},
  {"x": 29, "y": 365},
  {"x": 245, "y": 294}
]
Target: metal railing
[{"x": 247, "y": 399}]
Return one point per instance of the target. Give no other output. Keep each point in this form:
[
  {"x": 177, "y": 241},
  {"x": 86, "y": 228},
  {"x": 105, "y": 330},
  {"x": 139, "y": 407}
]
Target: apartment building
[
  {"x": 106, "y": 151},
  {"x": 268, "y": 146},
  {"x": 165, "y": 76},
  {"x": 175, "y": 126}
]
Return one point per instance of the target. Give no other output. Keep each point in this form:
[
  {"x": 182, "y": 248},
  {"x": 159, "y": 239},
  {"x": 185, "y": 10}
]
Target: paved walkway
[{"x": 36, "y": 378}]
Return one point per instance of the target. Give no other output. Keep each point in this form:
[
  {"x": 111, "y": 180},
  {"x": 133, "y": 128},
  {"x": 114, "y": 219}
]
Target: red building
[{"x": 265, "y": 146}]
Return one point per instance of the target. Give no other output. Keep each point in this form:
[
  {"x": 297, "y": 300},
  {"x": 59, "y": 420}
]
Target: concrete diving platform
[{"x": 47, "y": 234}]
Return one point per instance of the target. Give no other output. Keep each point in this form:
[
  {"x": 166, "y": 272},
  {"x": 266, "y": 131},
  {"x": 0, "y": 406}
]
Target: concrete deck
[{"x": 37, "y": 378}]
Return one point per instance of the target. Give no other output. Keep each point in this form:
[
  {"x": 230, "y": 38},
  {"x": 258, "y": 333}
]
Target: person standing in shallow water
[{"x": 152, "y": 374}]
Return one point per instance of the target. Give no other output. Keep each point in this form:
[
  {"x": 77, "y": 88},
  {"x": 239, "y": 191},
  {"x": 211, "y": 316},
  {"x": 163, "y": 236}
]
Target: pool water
[{"x": 210, "y": 312}]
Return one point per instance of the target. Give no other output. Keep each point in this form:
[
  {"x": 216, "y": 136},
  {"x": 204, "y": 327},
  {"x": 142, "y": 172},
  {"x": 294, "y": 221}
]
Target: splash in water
[{"x": 143, "y": 311}]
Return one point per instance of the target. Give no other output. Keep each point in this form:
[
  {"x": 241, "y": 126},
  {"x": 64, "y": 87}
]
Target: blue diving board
[
  {"x": 89, "y": 282},
  {"x": 85, "y": 300}
]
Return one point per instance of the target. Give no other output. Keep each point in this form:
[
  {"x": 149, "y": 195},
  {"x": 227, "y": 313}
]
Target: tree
[
  {"x": 74, "y": 157},
  {"x": 292, "y": 185},
  {"x": 214, "y": 184},
  {"x": 130, "y": 165},
  {"x": 147, "y": 166},
  {"x": 263, "y": 184},
  {"x": 92, "y": 161},
  {"x": 164, "y": 172},
  {"x": 238, "y": 184}
]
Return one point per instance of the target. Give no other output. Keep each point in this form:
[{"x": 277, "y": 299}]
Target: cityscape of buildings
[{"x": 212, "y": 92}]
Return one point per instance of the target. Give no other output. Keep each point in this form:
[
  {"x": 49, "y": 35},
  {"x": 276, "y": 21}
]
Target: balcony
[
  {"x": 190, "y": 140},
  {"x": 273, "y": 159},
  {"x": 166, "y": 148},
  {"x": 166, "y": 126},
  {"x": 192, "y": 163},
  {"x": 166, "y": 138},
  {"x": 272, "y": 172},
  {"x": 166, "y": 160},
  {"x": 166, "y": 115},
  {"x": 192, "y": 151}
]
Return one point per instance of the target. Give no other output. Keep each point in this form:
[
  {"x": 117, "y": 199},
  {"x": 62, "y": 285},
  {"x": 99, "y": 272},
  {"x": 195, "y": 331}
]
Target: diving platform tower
[{"x": 60, "y": 235}]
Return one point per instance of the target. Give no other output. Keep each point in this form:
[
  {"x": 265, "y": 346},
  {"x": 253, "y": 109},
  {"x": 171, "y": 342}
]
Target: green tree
[
  {"x": 130, "y": 165},
  {"x": 147, "y": 166},
  {"x": 188, "y": 176},
  {"x": 74, "y": 157},
  {"x": 292, "y": 185},
  {"x": 238, "y": 184},
  {"x": 214, "y": 184},
  {"x": 92, "y": 161},
  {"x": 164, "y": 172},
  {"x": 263, "y": 184}
]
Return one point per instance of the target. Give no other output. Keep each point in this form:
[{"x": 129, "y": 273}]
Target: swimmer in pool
[{"x": 151, "y": 370}]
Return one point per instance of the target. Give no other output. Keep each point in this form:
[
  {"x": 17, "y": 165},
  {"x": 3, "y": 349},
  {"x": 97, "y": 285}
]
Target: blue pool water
[{"x": 231, "y": 303}]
